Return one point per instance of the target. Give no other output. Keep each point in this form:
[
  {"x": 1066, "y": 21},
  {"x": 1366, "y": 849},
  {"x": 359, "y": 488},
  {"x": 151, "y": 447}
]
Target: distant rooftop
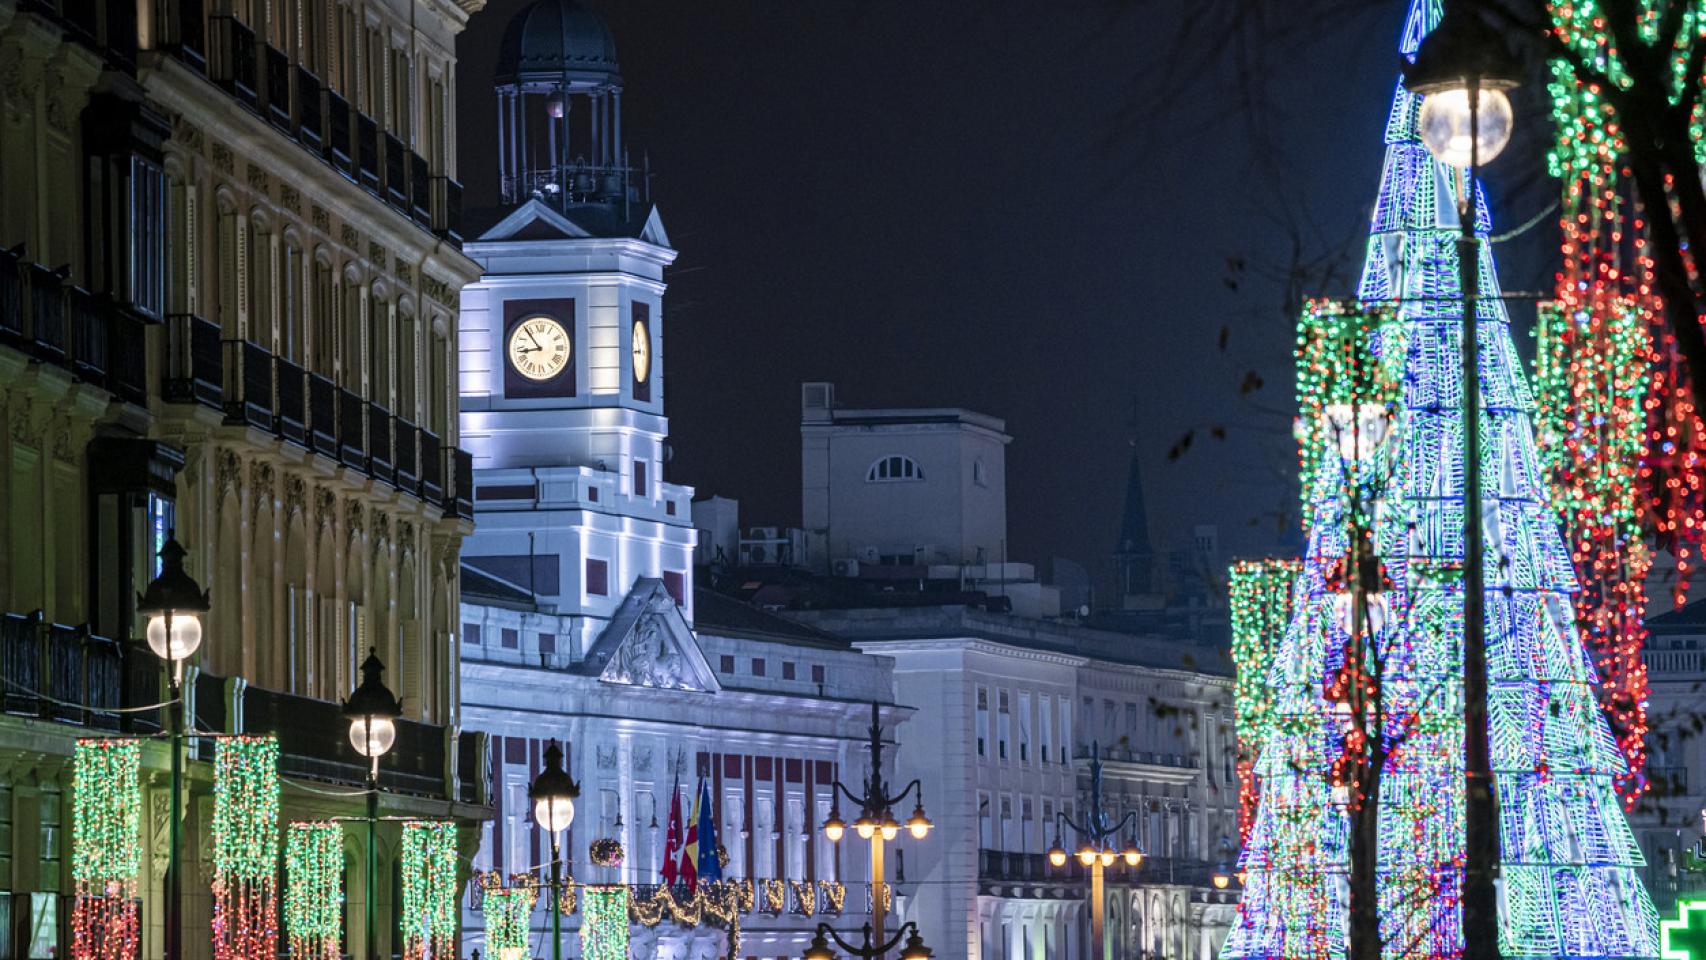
[{"x": 817, "y": 405}]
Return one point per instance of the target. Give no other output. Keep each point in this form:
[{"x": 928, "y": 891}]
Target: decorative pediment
[
  {"x": 653, "y": 232},
  {"x": 649, "y": 644},
  {"x": 535, "y": 220}
]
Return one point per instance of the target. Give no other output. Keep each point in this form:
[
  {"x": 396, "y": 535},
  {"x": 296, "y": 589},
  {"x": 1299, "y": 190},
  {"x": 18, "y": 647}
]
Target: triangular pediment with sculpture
[{"x": 649, "y": 644}]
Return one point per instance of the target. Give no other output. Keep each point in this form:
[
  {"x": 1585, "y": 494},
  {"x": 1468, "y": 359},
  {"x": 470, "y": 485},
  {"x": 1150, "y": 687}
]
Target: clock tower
[{"x": 561, "y": 353}]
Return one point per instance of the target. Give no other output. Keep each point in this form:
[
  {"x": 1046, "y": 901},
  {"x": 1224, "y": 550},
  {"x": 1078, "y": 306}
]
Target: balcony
[
  {"x": 352, "y": 440},
  {"x": 248, "y": 381},
  {"x": 45, "y": 291},
  {"x": 233, "y": 60},
  {"x": 379, "y": 461},
  {"x": 189, "y": 44},
  {"x": 340, "y": 151},
  {"x": 278, "y": 87},
  {"x": 407, "y": 478},
  {"x": 432, "y": 468},
  {"x": 1119, "y": 754},
  {"x": 59, "y": 672},
  {"x": 292, "y": 421},
  {"x": 367, "y": 152},
  {"x": 87, "y": 315},
  {"x": 420, "y": 190},
  {"x": 194, "y": 372},
  {"x": 396, "y": 174},
  {"x": 127, "y": 357},
  {"x": 322, "y": 415},
  {"x": 11, "y": 297},
  {"x": 310, "y": 130},
  {"x": 447, "y": 209},
  {"x": 460, "y": 499}
]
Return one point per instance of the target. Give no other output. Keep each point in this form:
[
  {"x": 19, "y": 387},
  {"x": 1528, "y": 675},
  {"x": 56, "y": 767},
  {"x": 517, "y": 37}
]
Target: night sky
[{"x": 1030, "y": 210}]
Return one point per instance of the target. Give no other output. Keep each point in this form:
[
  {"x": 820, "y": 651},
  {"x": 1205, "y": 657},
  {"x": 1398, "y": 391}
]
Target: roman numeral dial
[{"x": 539, "y": 347}]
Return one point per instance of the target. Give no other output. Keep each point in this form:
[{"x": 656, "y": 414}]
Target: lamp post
[
  {"x": 1094, "y": 850},
  {"x": 877, "y": 824},
  {"x": 171, "y": 603},
  {"x": 553, "y": 794},
  {"x": 913, "y": 950},
  {"x": 1462, "y": 70},
  {"x": 372, "y": 712}
]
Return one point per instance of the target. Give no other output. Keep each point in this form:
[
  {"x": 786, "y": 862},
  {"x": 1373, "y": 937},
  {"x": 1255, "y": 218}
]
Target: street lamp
[
  {"x": 1223, "y": 873},
  {"x": 877, "y": 824},
  {"x": 1094, "y": 851},
  {"x": 171, "y": 603},
  {"x": 372, "y": 712},
  {"x": 553, "y": 794},
  {"x": 913, "y": 950},
  {"x": 1459, "y": 64}
]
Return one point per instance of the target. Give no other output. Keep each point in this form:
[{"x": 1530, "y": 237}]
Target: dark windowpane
[
  {"x": 597, "y": 578},
  {"x": 676, "y": 583},
  {"x": 787, "y": 669},
  {"x": 728, "y": 664},
  {"x": 817, "y": 673},
  {"x": 511, "y": 639},
  {"x": 757, "y": 667},
  {"x": 470, "y": 633},
  {"x": 547, "y": 643}
]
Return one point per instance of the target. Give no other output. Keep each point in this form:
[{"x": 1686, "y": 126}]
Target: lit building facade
[
  {"x": 580, "y": 621},
  {"x": 227, "y": 303}
]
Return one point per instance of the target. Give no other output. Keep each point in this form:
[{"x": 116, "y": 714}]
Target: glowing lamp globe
[
  {"x": 1221, "y": 879},
  {"x": 1133, "y": 853},
  {"x": 1108, "y": 858},
  {"x": 372, "y": 711},
  {"x": 511, "y": 953},
  {"x": 915, "y": 948},
  {"x": 1057, "y": 855},
  {"x": 865, "y": 826},
  {"x": 918, "y": 824},
  {"x": 819, "y": 950},
  {"x": 171, "y": 603},
  {"x": 834, "y": 828},
  {"x": 890, "y": 827},
  {"x": 177, "y": 642},
  {"x": 1463, "y": 52},
  {"x": 1357, "y": 429},
  {"x": 1444, "y": 125},
  {"x": 1087, "y": 856},
  {"x": 553, "y": 793}
]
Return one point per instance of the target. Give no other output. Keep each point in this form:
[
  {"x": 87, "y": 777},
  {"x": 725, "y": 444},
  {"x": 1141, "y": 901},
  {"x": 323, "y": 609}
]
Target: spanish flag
[{"x": 689, "y": 870}]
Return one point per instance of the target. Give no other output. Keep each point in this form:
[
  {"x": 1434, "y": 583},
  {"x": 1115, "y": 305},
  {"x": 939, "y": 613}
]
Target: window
[
  {"x": 979, "y": 473},
  {"x": 758, "y": 666},
  {"x": 788, "y": 670},
  {"x": 471, "y": 633},
  {"x": 511, "y": 638},
  {"x": 591, "y": 494},
  {"x": 817, "y": 673},
  {"x": 1003, "y": 726},
  {"x": 669, "y": 508},
  {"x": 640, "y": 487},
  {"x": 727, "y": 665},
  {"x": 894, "y": 468},
  {"x": 547, "y": 643},
  {"x": 1045, "y": 714},
  {"x": 1024, "y": 727},
  {"x": 675, "y": 582},
  {"x": 597, "y": 578},
  {"x": 982, "y": 721}
]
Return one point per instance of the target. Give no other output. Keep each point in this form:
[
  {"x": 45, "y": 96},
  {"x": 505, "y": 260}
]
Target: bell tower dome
[{"x": 562, "y": 340}]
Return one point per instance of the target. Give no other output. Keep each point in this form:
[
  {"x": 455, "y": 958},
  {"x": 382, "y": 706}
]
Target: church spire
[{"x": 1134, "y": 555}]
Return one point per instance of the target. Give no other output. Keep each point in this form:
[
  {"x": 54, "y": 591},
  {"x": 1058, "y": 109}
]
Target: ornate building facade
[{"x": 228, "y": 298}]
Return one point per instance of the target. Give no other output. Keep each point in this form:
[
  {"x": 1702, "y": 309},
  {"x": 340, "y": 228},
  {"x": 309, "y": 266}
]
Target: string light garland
[
  {"x": 245, "y": 848},
  {"x": 1636, "y": 472},
  {"x": 106, "y": 849},
  {"x": 604, "y": 923},
  {"x": 1569, "y": 862},
  {"x": 314, "y": 890},
  {"x": 429, "y": 915},
  {"x": 508, "y": 912},
  {"x": 1260, "y": 609}
]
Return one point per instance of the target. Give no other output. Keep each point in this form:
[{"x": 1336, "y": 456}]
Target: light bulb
[
  {"x": 1444, "y": 125},
  {"x": 186, "y": 636},
  {"x": 554, "y": 813},
  {"x": 375, "y": 742}
]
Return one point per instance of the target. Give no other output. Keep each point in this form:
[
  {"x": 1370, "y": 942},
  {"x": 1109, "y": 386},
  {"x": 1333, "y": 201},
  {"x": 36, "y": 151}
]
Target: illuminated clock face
[
  {"x": 539, "y": 347},
  {"x": 642, "y": 352}
]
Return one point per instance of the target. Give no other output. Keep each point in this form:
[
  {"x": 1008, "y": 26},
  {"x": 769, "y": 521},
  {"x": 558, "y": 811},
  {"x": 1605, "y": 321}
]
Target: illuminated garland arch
[
  {"x": 106, "y": 849},
  {"x": 428, "y": 919},
  {"x": 245, "y": 848},
  {"x": 314, "y": 890}
]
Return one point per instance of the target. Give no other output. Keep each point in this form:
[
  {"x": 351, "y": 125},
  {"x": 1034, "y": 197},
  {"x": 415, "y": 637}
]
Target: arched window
[{"x": 892, "y": 468}]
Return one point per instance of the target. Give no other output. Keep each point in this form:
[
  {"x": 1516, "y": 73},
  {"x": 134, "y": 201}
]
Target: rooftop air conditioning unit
[{"x": 845, "y": 567}]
